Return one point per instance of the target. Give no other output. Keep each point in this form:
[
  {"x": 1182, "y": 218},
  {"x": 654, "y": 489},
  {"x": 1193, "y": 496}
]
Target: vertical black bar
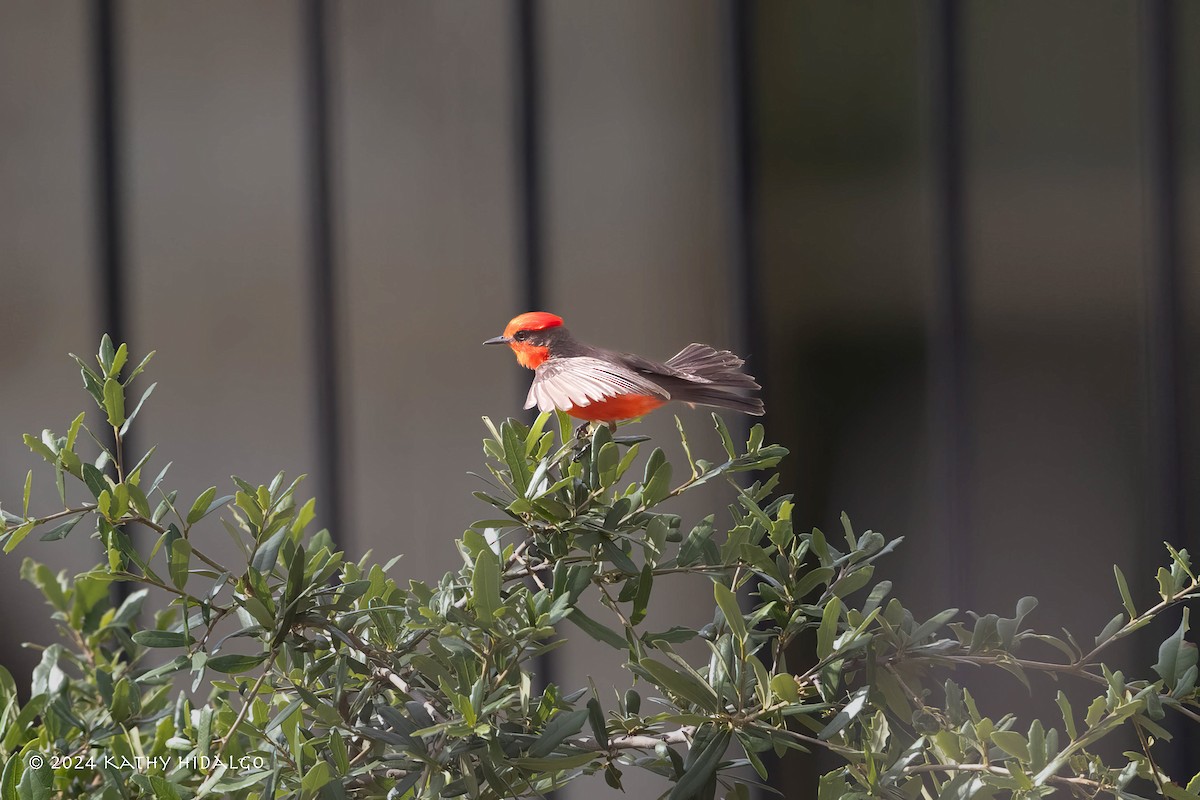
[
  {"x": 1164, "y": 313},
  {"x": 1164, "y": 310},
  {"x": 527, "y": 114},
  {"x": 742, "y": 208},
  {"x": 110, "y": 244},
  {"x": 741, "y": 220},
  {"x": 108, "y": 169},
  {"x": 949, "y": 346},
  {"x": 527, "y": 152},
  {"x": 323, "y": 285}
]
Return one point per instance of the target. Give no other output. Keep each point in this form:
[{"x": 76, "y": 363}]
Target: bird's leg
[{"x": 584, "y": 432}]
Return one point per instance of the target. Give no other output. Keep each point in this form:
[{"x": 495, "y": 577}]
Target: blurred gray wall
[{"x": 1060, "y": 479}]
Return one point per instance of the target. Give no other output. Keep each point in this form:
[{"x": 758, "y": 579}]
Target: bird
[{"x": 605, "y": 386}]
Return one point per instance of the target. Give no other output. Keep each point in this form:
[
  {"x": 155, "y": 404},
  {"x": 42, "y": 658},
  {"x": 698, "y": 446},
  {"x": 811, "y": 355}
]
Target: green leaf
[
  {"x": 118, "y": 361},
  {"x": 36, "y": 445},
  {"x": 641, "y": 600},
  {"x": 708, "y": 748},
  {"x": 607, "y": 461},
  {"x": 125, "y": 701},
  {"x": 933, "y": 624},
  {"x": 17, "y": 536},
  {"x": 1176, "y": 792},
  {"x": 726, "y": 439},
  {"x": 785, "y": 687},
  {"x": 267, "y": 554},
  {"x": 61, "y": 530},
  {"x": 848, "y": 531},
  {"x": 316, "y": 777},
  {"x": 1096, "y": 711},
  {"x": 37, "y": 783},
  {"x": 812, "y": 579},
  {"x": 845, "y": 716},
  {"x": 827, "y": 632},
  {"x": 833, "y": 786},
  {"x": 1166, "y": 583},
  {"x": 1175, "y": 655},
  {"x": 659, "y": 486},
  {"x": 201, "y": 506},
  {"x": 514, "y": 457},
  {"x": 28, "y": 489},
  {"x": 94, "y": 479},
  {"x": 680, "y": 683},
  {"x": 485, "y": 585},
  {"x": 172, "y": 666},
  {"x": 562, "y": 725},
  {"x": 163, "y": 639},
  {"x": 1123, "y": 587},
  {"x": 596, "y": 719},
  {"x": 114, "y": 402},
  {"x": 129, "y": 420},
  {"x": 107, "y": 352},
  {"x": 1012, "y": 743},
  {"x": 234, "y": 663},
  {"x": 1064, "y": 705},
  {"x": 180, "y": 560},
  {"x": 554, "y": 765},
  {"x": 728, "y": 603},
  {"x": 596, "y": 630},
  {"x": 140, "y": 367}
]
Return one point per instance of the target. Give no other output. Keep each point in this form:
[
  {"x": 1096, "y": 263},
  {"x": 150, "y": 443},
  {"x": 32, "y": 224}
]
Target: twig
[
  {"x": 249, "y": 700},
  {"x": 642, "y": 741},
  {"x": 1146, "y": 750},
  {"x": 1086, "y": 783}
]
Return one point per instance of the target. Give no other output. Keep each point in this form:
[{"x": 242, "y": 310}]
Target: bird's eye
[{"x": 521, "y": 336}]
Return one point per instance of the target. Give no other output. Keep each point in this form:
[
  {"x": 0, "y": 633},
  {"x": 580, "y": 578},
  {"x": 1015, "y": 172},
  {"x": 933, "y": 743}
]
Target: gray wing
[{"x": 564, "y": 383}]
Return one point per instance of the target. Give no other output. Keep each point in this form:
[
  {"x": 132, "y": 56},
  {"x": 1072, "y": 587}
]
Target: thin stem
[
  {"x": 149, "y": 523},
  {"x": 1085, "y": 783},
  {"x": 250, "y": 697},
  {"x": 984, "y": 660},
  {"x": 642, "y": 741},
  {"x": 1146, "y": 750},
  {"x": 1137, "y": 622},
  {"x": 64, "y": 513},
  {"x": 129, "y": 576}
]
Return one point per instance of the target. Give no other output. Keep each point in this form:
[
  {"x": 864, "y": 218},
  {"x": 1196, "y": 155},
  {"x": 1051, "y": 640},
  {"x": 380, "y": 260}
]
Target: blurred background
[{"x": 956, "y": 239}]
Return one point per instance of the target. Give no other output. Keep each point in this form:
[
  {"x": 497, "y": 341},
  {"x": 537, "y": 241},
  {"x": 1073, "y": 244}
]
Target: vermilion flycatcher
[{"x": 599, "y": 385}]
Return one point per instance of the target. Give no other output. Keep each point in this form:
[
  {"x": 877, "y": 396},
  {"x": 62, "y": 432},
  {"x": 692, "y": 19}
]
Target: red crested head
[
  {"x": 532, "y": 321},
  {"x": 530, "y": 335}
]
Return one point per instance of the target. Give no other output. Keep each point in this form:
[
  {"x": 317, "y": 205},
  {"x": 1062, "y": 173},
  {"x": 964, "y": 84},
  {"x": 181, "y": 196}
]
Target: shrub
[{"x": 295, "y": 672}]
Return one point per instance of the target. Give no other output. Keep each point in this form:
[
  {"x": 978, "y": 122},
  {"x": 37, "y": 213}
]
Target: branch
[
  {"x": 1072, "y": 783},
  {"x": 406, "y": 688},
  {"x": 1129, "y": 627},
  {"x": 643, "y": 741}
]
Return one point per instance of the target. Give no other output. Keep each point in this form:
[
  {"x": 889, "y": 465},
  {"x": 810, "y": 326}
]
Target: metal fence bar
[
  {"x": 1165, "y": 285},
  {"x": 949, "y": 346},
  {"x": 108, "y": 197},
  {"x": 1164, "y": 312},
  {"x": 527, "y": 115},
  {"x": 326, "y": 324},
  {"x": 741, "y": 217},
  {"x": 742, "y": 206},
  {"x": 527, "y": 152}
]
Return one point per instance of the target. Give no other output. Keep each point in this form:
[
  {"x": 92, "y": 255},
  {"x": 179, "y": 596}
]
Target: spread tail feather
[
  {"x": 714, "y": 378},
  {"x": 715, "y": 367}
]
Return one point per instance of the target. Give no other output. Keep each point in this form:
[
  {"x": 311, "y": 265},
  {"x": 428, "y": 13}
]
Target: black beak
[{"x": 498, "y": 340}]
